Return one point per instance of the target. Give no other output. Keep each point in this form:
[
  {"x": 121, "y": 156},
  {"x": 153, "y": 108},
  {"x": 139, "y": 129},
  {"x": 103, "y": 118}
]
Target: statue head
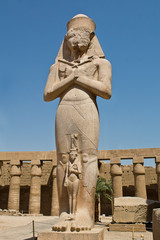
[
  {"x": 80, "y": 37},
  {"x": 80, "y": 32},
  {"x": 73, "y": 154}
]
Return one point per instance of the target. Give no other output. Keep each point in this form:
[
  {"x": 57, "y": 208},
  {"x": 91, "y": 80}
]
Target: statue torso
[{"x": 87, "y": 68}]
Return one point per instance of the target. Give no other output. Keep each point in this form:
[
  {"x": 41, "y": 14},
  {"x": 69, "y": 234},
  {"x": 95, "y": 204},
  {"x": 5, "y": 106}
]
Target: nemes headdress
[{"x": 81, "y": 21}]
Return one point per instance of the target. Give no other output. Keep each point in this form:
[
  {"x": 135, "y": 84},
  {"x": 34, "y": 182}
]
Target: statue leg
[
  {"x": 70, "y": 193},
  {"x": 86, "y": 194},
  {"x": 62, "y": 193},
  {"x": 62, "y": 190},
  {"x": 75, "y": 193}
]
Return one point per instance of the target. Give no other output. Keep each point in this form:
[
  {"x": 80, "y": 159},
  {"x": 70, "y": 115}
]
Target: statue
[
  {"x": 80, "y": 73},
  {"x": 73, "y": 171}
]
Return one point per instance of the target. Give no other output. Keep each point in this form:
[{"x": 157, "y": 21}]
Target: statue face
[
  {"x": 73, "y": 155},
  {"x": 78, "y": 39}
]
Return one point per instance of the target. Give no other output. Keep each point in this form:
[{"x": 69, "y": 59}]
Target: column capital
[
  {"x": 36, "y": 170},
  {"x": 116, "y": 170},
  {"x": 138, "y": 169},
  {"x": 15, "y": 170}
]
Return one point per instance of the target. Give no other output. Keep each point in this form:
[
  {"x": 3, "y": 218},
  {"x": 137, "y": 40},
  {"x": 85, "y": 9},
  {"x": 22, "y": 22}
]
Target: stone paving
[{"x": 20, "y": 228}]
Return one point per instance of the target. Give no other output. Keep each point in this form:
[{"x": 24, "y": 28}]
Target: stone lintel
[
  {"x": 36, "y": 162},
  {"x": 94, "y": 234},
  {"x": 127, "y": 227},
  {"x": 15, "y": 162},
  {"x": 115, "y": 161},
  {"x": 138, "y": 160},
  {"x": 157, "y": 159}
]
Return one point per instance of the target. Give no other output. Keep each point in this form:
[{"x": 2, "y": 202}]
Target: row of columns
[
  {"x": 139, "y": 177},
  {"x": 35, "y": 188}
]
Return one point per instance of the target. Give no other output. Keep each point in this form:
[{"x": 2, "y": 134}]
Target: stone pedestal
[
  {"x": 35, "y": 189},
  {"x": 94, "y": 234},
  {"x": 116, "y": 173},
  {"x": 139, "y": 178},
  {"x": 54, "y": 203},
  {"x": 14, "y": 189}
]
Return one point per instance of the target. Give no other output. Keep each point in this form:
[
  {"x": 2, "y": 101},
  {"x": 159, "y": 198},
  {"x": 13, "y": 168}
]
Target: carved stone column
[
  {"x": 158, "y": 175},
  {"x": 14, "y": 189},
  {"x": 139, "y": 177},
  {"x": 116, "y": 173},
  {"x": 35, "y": 188},
  {"x": 54, "y": 203}
]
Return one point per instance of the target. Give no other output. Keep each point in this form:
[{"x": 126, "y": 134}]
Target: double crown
[{"x": 80, "y": 21}]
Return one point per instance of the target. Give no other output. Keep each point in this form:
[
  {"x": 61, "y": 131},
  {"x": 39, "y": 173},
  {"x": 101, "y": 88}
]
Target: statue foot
[
  {"x": 69, "y": 222},
  {"x": 82, "y": 222},
  {"x": 61, "y": 226}
]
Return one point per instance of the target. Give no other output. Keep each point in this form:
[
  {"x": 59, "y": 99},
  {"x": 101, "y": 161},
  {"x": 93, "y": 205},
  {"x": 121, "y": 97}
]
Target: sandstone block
[
  {"x": 133, "y": 210},
  {"x": 35, "y": 162},
  {"x": 15, "y": 162},
  {"x": 156, "y": 224},
  {"x": 127, "y": 227}
]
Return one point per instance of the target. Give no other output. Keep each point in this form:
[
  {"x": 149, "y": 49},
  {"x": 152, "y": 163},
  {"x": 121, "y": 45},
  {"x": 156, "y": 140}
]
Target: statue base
[{"x": 94, "y": 234}]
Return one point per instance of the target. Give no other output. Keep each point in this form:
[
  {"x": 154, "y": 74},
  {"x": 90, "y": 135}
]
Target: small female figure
[{"x": 72, "y": 178}]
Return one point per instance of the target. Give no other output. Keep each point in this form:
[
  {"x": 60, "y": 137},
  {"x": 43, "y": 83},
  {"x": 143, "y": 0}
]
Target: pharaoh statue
[{"x": 80, "y": 74}]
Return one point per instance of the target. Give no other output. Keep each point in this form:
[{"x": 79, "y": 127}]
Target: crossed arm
[{"x": 54, "y": 87}]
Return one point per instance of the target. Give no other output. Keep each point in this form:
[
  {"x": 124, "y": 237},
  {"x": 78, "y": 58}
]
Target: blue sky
[{"x": 31, "y": 34}]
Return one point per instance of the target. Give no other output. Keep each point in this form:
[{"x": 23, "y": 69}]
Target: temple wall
[{"x": 46, "y": 162}]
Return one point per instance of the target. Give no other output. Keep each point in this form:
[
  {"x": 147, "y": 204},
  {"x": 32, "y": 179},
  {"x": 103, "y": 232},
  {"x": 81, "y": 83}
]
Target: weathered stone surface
[
  {"x": 14, "y": 190},
  {"x": 116, "y": 173},
  {"x": 156, "y": 224},
  {"x": 139, "y": 179},
  {"x": 79, "y": 75},
  {"x": 94, "y": 234},
  {"x": 127, "y": 227},
  {"x": 133, "y": 210}
]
